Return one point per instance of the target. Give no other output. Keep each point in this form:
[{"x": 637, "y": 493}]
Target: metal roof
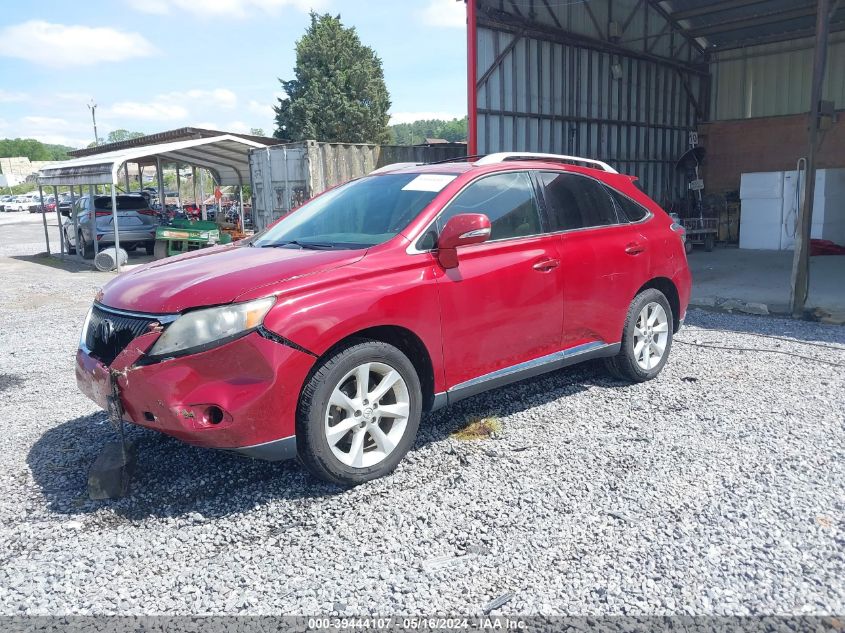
[
  {"x": 227, "y": 156},
  {"x": 179, "y": 134},
  {"x": 726, "y": 24}
]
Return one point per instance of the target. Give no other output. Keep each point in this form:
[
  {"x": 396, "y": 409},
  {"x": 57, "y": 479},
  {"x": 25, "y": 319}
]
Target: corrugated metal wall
[
  {"x": 773, "y": 79},
  {"x": 538, "y": 94}
]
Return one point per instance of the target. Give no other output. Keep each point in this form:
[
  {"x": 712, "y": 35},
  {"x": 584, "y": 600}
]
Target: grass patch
[{"x": 479, "y": 429}]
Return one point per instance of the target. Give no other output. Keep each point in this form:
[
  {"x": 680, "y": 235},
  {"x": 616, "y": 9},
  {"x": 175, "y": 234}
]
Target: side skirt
[{"x": 528, "y": 369}]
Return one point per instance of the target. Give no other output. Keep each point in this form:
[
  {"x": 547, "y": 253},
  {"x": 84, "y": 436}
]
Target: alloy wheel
[
  {"x": 367, "y": 414},
  {"x": 651, "y": 333}
]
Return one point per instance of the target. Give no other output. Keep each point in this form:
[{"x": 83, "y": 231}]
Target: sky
[{"x": 154, "y": 65}]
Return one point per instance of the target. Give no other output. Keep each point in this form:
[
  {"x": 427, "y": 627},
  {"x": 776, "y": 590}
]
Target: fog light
[{"x": 213, "y": 415}]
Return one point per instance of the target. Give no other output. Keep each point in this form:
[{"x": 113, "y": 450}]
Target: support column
[
  {"x": 62, "y": 246},
  {"x": 75, "y": 219},
  {"x": 801, "y": 258},
  {"x": 194, "y": 184},
  {"x": 202, "y": 195},
  {"x": 114, "y": 223},
  {"x": 92, "y": 191},
  {"x": 160, "y": 177},
  {"x": 241, "y": 205},
  {"x": 44, "y": 218},
  {"x": 179, "y": 185}
]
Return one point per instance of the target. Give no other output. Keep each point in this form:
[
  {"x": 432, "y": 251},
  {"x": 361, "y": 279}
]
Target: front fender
[{"x": 318, "y": 313}]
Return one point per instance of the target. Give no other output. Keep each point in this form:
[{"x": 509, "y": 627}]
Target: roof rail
[
  {"x": 393, "y": 167},
  {"x": 501, "y": 157}
]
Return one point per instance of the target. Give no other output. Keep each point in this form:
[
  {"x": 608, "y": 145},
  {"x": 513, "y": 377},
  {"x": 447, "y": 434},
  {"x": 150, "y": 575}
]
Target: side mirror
[{"x": 461, "y": 230}]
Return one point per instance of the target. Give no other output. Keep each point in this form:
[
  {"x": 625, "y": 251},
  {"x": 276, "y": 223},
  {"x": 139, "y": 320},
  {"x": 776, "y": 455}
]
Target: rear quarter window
[
  {"x": 628, "y": 209},
  {"x": 124, "y": 203}
]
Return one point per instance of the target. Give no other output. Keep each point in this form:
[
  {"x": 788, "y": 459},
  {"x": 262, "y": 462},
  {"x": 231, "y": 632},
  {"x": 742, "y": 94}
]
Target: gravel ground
[{"x": 715, "y": 489}]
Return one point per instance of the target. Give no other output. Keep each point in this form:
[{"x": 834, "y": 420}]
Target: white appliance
[{"x": 770, "y": 205}]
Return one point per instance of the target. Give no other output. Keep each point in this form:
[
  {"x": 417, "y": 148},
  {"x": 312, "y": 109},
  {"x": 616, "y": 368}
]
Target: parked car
[
  {"x": 328, "y": 335},
  {"x": 5, "y": 200},
  {"x": 136, "y": 224},
  {"x": 18, "y": 203},
  {"x": 49, "y": 205},
  {"x": 65, "y": 202}
]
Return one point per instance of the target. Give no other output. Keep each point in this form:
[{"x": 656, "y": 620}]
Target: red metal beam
[{"x": 472, "y": 79}]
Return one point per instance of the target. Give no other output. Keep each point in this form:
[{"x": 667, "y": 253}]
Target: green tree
[
  {"x": 256, "y": 131},
  {"x": 417, "y": 131},
  {"x": 32, "y": 149},
  {"x": 116, "y": 136},
  {"x": 338, "y": 93}
]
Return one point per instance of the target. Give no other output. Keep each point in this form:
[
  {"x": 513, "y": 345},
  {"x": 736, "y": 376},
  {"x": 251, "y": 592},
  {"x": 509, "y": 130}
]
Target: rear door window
[
  {"x": 576, "y": 202},
  {"x": 507, "y": 199}
]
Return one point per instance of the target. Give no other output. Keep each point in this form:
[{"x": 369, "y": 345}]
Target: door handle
[
  {"x": 545, "y": 265},
  {"x": 634, "y": 248}
]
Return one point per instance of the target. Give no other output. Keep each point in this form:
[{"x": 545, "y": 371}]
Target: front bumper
[{"x": 254, "y": 381}]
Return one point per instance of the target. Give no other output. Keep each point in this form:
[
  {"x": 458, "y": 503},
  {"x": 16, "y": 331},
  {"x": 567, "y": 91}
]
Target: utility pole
[
  {"x": 93, "y": 107},
  {"x": 801, "y": 258}
]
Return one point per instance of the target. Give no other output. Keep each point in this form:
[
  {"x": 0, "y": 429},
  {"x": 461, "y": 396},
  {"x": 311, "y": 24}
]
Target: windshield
[{"x": 359, "y": 214}]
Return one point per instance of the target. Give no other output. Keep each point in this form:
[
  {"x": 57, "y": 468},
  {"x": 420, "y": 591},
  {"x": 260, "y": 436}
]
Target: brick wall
[{"x": 763, "y": 144}]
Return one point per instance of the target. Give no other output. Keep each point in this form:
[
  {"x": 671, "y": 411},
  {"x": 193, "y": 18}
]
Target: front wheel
[
  {"x": 358, "y": 413},
  {"x": 646, "y": 339}
]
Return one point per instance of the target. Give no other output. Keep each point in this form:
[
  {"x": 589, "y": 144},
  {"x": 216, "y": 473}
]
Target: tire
[
  {"x": 709, "y": 242},
  {"x": 150, "y": 248},
  {"x": 159, "y": 249},
  {"x": 688, "y": 247},
  {"x": 628, "y": 363},
  {"x": 85, "y": 248},
  {"x": 331, "y": 400},
  {"x": 69, "y": 249}
]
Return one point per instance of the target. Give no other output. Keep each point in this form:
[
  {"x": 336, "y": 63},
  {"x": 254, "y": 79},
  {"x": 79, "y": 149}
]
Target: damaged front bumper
[{"x": 241, "y": 396}]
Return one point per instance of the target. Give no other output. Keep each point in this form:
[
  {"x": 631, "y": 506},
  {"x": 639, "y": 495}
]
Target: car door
[
  {"x": 604, "y": 257},
  {"x": 501, "y": 306},
  {"x": 75, "y": 221}
]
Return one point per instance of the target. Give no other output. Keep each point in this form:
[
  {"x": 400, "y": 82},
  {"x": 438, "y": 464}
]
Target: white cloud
[
  {"x": 444, "y": 13},
  {"x": 53, "y": 130},
  {"x": 238, "y": 126},
  {"x": 224, "y": 8},
  {"x": 63, "y": 46},
  {"x": 261, "y": 109},
  {"x": 9, "y": 97},
  {"x": 171, "y": 106},
  {"x": 151, "y": 111},
  {"x": 410, "y": 117}
]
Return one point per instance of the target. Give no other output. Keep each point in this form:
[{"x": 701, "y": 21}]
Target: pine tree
[{"x": 338, "y": 93}]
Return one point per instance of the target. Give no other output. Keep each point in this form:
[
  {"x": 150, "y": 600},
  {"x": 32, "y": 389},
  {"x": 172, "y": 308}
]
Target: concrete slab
[{"x": 763, "y": 277}]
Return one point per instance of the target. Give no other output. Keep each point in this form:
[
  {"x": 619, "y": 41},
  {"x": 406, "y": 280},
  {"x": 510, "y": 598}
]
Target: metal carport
[{"x": 225, "y": 156}]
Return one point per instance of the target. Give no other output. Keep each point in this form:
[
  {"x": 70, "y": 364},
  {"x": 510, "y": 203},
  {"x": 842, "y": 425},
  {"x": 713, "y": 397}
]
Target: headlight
[
  {"x": 84, "y": 335},
  {"x": 201, "y": 328}
]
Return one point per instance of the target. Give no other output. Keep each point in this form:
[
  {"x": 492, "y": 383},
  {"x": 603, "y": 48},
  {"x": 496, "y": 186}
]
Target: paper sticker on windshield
[{"x": 428, "y": 182}]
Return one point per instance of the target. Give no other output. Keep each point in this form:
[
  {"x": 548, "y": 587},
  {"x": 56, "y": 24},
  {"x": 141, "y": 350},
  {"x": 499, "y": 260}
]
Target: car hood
[{"x": 214, "y": 276}]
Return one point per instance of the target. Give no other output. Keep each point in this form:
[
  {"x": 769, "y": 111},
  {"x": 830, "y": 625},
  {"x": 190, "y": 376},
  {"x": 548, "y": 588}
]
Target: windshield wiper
[{"x": 316, "y": 246}]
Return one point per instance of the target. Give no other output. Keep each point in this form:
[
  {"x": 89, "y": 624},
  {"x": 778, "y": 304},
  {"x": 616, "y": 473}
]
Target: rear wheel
[
  {"x": 84, "y": 247},
  {"x": 709, "y": 242},
  {"x": 150, "y": 247},
  {"x": 159, "y": 249},
  {"x": 69, "y": 248},
  {"x": 646, "y": 339},
  {"x": 358, "y": 413}
]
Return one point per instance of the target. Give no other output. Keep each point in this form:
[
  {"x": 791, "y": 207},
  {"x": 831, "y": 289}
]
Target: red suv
[{"x": 327, "y": 335}]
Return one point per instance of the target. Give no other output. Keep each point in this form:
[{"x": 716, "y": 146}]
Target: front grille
[{"x": 109, "y": 332}]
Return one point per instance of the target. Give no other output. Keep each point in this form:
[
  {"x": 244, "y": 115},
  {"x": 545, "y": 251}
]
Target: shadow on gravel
[
  {"x": 173, "y": 479},
  {"x": 68, "y": 264},
  {"x": 766, "y": 325}
]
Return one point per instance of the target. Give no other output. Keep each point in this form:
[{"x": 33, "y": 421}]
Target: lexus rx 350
[{"x": 329, "y": 334}]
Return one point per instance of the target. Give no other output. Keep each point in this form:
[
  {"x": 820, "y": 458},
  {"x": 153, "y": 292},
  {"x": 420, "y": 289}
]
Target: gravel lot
[{"x": 716, "y": 489}]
